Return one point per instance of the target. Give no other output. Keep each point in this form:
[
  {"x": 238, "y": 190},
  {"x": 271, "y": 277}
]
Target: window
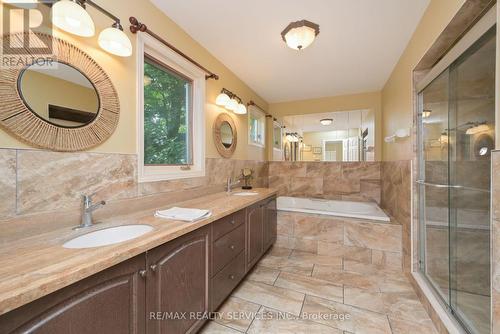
[
  {"x": 167, "y": 115},
  {"x": 256, "y": 127},
  {"x": 171, "y": 114}
]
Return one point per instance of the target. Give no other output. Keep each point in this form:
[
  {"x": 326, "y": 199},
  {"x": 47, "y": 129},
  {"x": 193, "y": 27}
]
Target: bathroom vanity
[{"x": 169, "y": 288}]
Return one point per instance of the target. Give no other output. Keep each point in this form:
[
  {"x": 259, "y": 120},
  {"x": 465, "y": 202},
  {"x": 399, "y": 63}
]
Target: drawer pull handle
[
  {"x": 142, "y": 273},
  {"x": 153, "y": 267},
  {"x": 232, "y": 221},
  {"x": 232, "y": 247},
  {"x": 231, "y": 277}
]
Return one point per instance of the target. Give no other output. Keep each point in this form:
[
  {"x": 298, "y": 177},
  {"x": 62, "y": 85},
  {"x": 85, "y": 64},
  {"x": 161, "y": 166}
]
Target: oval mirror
[
  {"x": 226, "y": 134},
  {"x": 59, "y": 94}
]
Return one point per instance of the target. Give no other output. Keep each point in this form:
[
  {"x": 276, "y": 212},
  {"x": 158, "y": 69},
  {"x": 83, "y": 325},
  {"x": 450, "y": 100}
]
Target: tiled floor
[{"x": 297, "y": 292}]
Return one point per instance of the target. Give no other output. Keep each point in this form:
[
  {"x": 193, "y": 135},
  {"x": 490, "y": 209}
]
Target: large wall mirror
[
  {"x": 63, "y": 102},
  {"x": 225, "y": 136},
  {"x": 59, "y": 94}
]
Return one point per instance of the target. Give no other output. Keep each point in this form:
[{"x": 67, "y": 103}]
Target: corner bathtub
[{"x": 362, "y": 210}]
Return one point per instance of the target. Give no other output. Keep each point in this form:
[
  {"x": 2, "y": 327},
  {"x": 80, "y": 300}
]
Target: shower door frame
[{"x": 473, "y": 35}]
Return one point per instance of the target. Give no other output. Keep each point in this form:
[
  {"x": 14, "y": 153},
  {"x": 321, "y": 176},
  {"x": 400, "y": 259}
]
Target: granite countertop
[{"x": 36, "y": 266}]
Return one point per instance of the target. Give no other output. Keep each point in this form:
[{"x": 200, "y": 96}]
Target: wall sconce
[
  {"x": 71, "y": 16},
  {"x": 230, "y": 101}
]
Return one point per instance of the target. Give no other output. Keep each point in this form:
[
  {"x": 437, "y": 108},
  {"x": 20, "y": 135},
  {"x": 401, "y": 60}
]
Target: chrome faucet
[
  {"x": 87, "y": 209},
  {"x": 230, "y": 184}
]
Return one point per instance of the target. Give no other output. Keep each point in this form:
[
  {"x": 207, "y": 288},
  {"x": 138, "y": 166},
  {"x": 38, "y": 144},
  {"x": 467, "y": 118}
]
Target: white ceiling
[
  {"x": 359, "y": 44},
  {"x": 342, "y": 120}
]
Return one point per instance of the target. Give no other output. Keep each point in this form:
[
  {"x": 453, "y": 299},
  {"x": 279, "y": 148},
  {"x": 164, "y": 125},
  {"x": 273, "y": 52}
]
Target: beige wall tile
[
  {"x": 7, "y": 183},
  {"x": 386, "y": 237},
  {"x": 49, "y": 181}
]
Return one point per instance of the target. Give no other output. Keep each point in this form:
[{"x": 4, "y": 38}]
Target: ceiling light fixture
[
  {"x": 300, "y": 34},
  {"x": 230, "y": 101},
  {"x": 71, "y": 16},
  {"x": 326, "y": 121}
]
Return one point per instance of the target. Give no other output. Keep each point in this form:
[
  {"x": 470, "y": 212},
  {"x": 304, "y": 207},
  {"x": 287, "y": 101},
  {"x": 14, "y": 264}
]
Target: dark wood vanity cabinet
[
  {"x": 270, "y": 223},
  {"x": 255, "y": 230},
  {"x": 169, "y": 289},
  {"x": 112, "y": 301},
  {"x": 177, "y": 284}
]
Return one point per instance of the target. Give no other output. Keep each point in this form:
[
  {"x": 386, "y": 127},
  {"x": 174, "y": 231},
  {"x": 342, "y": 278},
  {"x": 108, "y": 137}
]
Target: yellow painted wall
[
  {"x": 122, "y": 72},
  {"x": 397, "y": 95},
  {"x": 371, "y": 101}
]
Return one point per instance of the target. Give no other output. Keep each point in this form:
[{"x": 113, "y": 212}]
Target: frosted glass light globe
[
  {"x": 114, "y": 41},
  {"x": 73, "y": 18}
]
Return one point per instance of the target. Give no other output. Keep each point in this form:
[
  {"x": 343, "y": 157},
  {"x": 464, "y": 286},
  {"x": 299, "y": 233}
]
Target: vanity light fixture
[
  {"x": 241, "y": 109},
  {"x": 230, "y": 101},
  {"x": 477, "y": 128},
  {"x": 326, "y": 121},
  {"x": 300, "y": 34},
  {"x": 71, "y": 16},
  {"x": 292, "y": 137},
  {"x": 114, "y": 41},
  {"x": 426, "y": 113}
]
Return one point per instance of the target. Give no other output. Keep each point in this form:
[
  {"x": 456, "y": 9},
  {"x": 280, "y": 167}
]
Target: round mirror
[
  {"x": 226, "y": 134},
  {"x": 59, "y": 94}
]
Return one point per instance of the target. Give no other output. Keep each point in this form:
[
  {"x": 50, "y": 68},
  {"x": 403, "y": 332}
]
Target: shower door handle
[{"x": 437, "y": 185}]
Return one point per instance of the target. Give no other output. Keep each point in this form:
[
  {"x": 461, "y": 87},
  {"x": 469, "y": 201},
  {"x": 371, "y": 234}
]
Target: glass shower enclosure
[{"x": 456, "y": 133}]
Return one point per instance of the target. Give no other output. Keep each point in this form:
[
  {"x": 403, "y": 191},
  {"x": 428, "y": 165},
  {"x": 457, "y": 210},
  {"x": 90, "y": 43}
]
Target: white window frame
[
  {"x": 252, "y": 111},
  {"x": 151, "y": 46}
]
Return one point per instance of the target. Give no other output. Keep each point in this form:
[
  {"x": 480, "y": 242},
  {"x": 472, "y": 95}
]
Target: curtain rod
[
  {"x": 251, "y": 103},
  {"x": 136, "y": 26}
]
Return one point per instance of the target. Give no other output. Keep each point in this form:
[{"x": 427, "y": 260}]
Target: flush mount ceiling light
[
  {"x": 230, "y": 101},
  {"x": 300, "y": 34},
  {"x": 326, "y": 121},
  {"x": 71, "y": 16},
  {"x": 426, "y": 113}
]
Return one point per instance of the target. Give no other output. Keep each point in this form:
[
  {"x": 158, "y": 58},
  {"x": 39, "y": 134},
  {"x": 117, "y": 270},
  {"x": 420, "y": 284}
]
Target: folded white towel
[{"x": 184, "y": 214}]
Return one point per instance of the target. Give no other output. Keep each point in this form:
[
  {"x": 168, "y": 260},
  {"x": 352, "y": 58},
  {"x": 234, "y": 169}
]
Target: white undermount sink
[
  {"x": 245, "y": 193},
  {"x": 108, "y": 236}
]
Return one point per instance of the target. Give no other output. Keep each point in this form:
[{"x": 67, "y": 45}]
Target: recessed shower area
[{"x": 455, "y": 137}]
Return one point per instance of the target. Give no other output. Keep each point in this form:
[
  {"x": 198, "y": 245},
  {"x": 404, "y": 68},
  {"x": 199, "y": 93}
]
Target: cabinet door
[
  {"x": 112, "y": 301},
  {"x": 270, "y": 223},
  {"x": 177, "y": 284},
  {"x": 255, "y": 225}
]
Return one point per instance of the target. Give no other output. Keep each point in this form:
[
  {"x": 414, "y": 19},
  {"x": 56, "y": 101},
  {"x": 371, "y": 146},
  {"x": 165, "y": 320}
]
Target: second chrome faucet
[{"x": 87, "y": 209}]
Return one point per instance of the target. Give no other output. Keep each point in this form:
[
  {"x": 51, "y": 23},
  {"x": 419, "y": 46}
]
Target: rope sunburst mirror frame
[{"x": 17, "y": 118}]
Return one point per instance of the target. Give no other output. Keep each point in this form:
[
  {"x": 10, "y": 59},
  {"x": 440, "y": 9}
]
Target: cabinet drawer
[
  {"x": 227, "y": 224},
  {"x": 227, "y": 279},
  {"x": 227, "y": 247}
]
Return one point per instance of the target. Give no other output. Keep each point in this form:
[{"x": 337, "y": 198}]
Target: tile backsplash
[
  {"x": 358, "y": 181},
  {"x": 34, "y": 181}
]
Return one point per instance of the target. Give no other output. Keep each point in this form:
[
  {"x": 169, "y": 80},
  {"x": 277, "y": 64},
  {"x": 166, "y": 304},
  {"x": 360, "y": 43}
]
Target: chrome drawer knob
[
  {"x": 231, "y": 277},
  {"x": 153, "y": 267},
  {"x": 232, "y": 247},
  {"x": 232, "y": 222},
  {"x": 142, "y": 273}
]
